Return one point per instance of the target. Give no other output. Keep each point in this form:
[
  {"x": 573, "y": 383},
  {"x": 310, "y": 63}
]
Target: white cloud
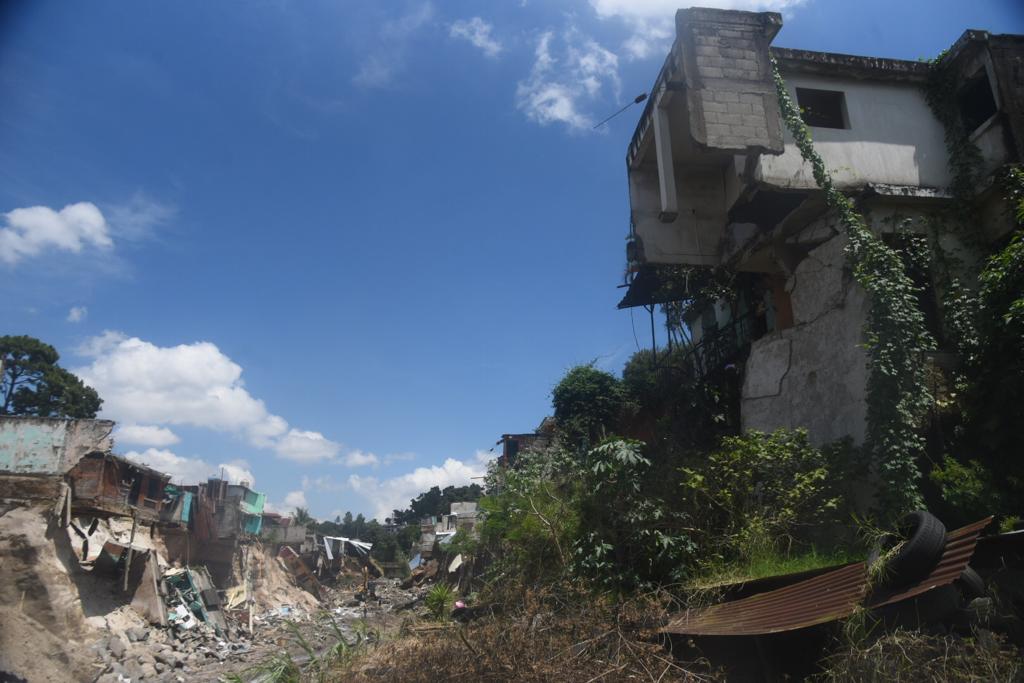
[
  {"x": 238, "y": 472},
  {"x": 322, "y": 483},
  {"x": 31, "y": 231},
  {"x": 478, "y": 32},
  {"x": 295, "y": 499},
  {"x": 292, "y": 500},
  {"x": 145, "y": 435},
  {"x": 558, "y": 85},
  {"x": 380, "y": 67},
  {"x": 189, "y": 384},
  {"x": 303, "y": 446},
  {"x": 77, "y": 314},
  {"x": 191, "y": 470},
  {"x": 138, "y": 218},
  {"x": 360, "y": 459},
  {"x": 394, "y": 494},
  {"x": 652, "y": 22}
]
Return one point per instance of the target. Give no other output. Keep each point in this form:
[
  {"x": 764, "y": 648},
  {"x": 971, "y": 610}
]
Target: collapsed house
[
  {"x": 93, "y": 541},
  {"x": 278, "y": 531},
  {"x": 441, "y": 529},
  {"x": 223, "y": 517},
  {"x": 716, "y": 181}
]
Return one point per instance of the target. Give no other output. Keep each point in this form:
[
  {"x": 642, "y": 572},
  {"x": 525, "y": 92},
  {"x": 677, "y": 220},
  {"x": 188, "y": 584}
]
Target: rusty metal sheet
[{"x": 822, "y": 599}]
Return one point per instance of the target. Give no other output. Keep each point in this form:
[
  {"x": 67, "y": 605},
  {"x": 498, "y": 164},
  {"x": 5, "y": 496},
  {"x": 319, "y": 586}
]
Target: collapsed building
[
  {"x": 715, "y": 181},
  {"x": 85, "y": 533}
]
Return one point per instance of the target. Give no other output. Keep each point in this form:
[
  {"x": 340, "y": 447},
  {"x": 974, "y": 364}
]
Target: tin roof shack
[
  {"x": 714, "y": 180},
  {"x": 37, "y": 453},
  {"x": 103, "y": 484}
]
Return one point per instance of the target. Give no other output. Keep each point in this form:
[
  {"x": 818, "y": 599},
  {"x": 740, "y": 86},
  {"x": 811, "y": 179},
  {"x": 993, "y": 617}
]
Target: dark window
[
  {"x": 977, "y": 105},
  {"x": 822, "y": 108}
]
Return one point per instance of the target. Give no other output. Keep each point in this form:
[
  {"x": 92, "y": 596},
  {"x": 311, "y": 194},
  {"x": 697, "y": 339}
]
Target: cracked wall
[
  {"x": 813, "y": 374},
  {"x": 50, "y": 446}
]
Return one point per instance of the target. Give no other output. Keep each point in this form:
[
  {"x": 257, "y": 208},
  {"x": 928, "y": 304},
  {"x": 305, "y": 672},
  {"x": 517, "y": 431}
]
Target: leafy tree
[
  {"x": 31, "y": 382},
  {"x": 588, "y": 402},
  {"x": 302, "y": 517}
]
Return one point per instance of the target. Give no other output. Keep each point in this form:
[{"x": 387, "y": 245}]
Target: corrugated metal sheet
[
  {"x": 824, "y": 598},
  {"x": 959, "y": 548}
]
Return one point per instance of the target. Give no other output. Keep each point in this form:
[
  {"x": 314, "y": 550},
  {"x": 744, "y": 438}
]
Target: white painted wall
[
  {"x": 893, "y": 138},
  {"x": 692, "y": 238}
]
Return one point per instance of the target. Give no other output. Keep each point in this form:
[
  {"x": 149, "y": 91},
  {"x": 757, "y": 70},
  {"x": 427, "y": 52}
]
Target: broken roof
[{"x": 824, "y": 598}]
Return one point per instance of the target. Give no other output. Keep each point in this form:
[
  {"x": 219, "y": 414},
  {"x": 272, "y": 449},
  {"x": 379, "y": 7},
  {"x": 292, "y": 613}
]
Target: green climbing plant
[
  {"x": 895, "y": 331},
  {"x": 965, "y": 159}
]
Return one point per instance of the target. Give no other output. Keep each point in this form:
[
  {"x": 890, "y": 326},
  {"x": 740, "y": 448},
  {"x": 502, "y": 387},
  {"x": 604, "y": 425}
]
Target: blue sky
[{"x": 338, "y": 248}]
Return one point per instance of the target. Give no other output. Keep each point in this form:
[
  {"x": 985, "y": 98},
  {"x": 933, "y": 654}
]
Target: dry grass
[
  {"x": 552, "y": 636},
  {"x": 910, "y": 656}
]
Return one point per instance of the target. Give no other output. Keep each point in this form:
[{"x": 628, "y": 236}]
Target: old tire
[
  {"x": 925, "y": 540},
  {"x": 971, "y": 585}
]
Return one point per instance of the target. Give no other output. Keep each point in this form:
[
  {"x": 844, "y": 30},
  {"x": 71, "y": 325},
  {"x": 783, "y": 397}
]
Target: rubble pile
[{"x": 109, "y": 572}]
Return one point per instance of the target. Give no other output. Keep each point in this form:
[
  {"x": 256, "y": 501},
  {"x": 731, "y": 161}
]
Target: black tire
[
  {"x": 971, "y": 585},
  {"x": 925, "y": 540}
]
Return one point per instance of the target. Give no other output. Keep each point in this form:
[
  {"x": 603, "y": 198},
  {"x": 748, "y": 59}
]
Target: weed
[
  {"x": 440, "y": 600},
  {"x": 906, "y": 656}
]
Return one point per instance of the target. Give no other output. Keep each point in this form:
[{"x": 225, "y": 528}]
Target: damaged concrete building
[{"x": 716, "y": 181}]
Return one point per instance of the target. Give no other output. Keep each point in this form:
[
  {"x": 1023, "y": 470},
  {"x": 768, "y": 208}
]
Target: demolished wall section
[
  {"x": 813, "y": 374},
  {"x": 50, "y": 446}
]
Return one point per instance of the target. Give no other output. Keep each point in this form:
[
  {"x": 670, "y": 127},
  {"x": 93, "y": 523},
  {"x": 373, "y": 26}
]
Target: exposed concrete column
[{"x": 666, "y": 169}]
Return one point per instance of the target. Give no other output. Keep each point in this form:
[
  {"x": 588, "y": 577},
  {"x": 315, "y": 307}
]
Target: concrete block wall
[{"x": 726, "y": 67}]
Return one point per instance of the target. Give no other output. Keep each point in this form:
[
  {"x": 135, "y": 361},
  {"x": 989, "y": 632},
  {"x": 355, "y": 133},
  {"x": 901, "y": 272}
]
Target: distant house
[
  {"x": 716, "y": 180},
  {"x": 513, "y": 444}
]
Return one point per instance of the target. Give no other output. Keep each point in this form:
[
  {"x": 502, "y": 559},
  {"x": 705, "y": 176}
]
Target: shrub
[
  {"x": 631, "y": 538},
  {"x": 764, "y": 486},
  {"x": 588, "y": 403},
  {"x": 439, "y": 600},
  {"x": 529, "y": 518},
  {"x": 680, "y": 410},
  {"x": 967, "y": 488}
]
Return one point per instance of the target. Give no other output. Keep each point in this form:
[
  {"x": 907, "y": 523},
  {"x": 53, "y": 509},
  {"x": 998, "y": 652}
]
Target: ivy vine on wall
[{"x": 897, "y": 392}]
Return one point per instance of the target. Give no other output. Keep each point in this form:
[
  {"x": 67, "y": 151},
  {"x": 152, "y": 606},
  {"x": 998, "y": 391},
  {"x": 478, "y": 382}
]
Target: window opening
[
  {"x": 976, "y": 102},
  {"x": 822, "y": 108}
]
